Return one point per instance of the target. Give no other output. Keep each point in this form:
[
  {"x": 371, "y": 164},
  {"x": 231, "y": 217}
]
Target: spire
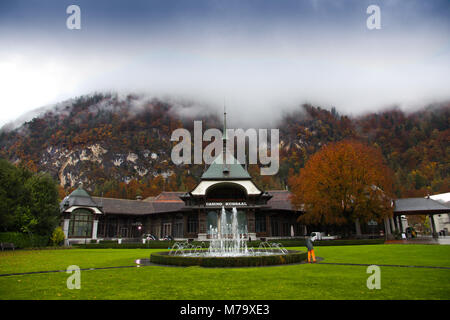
[
  {"x": 224, "y": 133},
  {"x": 225, "y": 166}
]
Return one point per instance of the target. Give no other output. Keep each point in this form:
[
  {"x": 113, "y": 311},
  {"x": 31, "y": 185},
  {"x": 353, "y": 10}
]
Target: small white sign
[{"x": 226, "y": 204}]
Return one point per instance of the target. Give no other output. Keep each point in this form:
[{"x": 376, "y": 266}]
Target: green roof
[
  {"x": 79, "y": 192},
  {"x": 219, "y": 171},
  {"x": 79, "y": 197}
]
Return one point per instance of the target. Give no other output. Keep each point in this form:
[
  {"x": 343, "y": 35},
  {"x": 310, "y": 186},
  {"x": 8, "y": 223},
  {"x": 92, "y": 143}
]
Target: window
[
  {"x": 178, "y": 230},
  {"x": 101, "y": 227},
  {"x": 275, "y": 231},
  {"x": 80, "y": 225},
  {"x": 211, "y": 221},
  {"x": 242, "y": 222},
  {"x": 286, "y": 229},
  {"x": 192, "y": 224},
  {"x": 260, "y": 223},
  {"x": 299, "y": 229},
  {"x": 111, "y": 228},
  {"x": 167, "y": 229}
]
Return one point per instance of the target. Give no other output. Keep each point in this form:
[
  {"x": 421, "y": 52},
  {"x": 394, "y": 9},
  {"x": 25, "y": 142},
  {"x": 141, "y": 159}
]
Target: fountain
[{"x": 228, "y": 247}]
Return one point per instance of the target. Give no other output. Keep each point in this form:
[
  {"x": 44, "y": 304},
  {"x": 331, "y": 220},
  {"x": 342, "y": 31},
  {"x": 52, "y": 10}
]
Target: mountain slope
[{"x": 120, "y": 146}]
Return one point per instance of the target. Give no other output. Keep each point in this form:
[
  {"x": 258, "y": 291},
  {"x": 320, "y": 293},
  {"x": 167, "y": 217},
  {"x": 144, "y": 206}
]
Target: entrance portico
[
  {"x": 419, "y": 206},
  {"x": 228, "y": 186}
]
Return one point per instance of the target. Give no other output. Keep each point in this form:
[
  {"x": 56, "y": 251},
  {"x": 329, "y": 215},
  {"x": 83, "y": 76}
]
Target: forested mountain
[{"x": 120, "y": 146}]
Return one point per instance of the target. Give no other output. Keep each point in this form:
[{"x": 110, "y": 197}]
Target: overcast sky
[{"x": 259, "y": 56}]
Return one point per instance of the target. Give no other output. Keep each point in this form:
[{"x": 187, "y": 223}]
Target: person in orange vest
[{"x": 309, "y": 245}]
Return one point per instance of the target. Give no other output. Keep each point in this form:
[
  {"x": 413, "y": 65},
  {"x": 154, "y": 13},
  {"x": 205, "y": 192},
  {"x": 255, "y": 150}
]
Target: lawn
[{"x": 315, "y": 281}]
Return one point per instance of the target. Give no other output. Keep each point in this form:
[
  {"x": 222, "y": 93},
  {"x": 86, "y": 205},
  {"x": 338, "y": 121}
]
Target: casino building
[
  {"x": 193, "y": 215},
  {"x": 190, "y": 215}
]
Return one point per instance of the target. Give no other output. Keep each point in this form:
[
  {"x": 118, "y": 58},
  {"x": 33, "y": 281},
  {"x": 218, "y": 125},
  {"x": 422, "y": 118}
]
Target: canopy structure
[
  {"x": 422, "y": 206},
  {"x": 419, "y": 206}
]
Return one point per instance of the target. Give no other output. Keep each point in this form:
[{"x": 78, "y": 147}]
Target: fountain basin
[{"x": 265, "y": 258}]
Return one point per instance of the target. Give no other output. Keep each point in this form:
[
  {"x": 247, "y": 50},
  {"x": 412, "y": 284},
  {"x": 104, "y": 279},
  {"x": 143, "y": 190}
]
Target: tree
[
  {"x": 343, "y": 182},
  {"x": 43, "y": 202},
  {"x": 29, "y": 202}
]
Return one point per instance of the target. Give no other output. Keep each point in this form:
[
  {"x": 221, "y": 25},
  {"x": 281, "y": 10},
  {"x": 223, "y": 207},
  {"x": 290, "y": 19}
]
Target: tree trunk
[{"x": 358, "y": 228}]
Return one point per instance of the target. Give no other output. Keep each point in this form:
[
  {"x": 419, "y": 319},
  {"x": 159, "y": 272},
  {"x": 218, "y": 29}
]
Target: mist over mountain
[{"x": 119, "y": 145}]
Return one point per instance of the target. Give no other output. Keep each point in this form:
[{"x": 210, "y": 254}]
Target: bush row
[
  {"x": 205, "y": 244},
  {"x": 213, "y": 262},
  {"x": 22, "y": 240},
  {"x": 115, "y": 245},
  {"x": 318, "y": 243}
]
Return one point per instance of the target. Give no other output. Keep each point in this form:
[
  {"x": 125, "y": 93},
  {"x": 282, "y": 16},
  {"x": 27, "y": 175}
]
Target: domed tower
[{"x": 80, "y": 216}]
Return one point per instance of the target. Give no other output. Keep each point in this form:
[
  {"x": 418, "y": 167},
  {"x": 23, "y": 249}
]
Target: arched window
[
  {"x": 80, "y": 225},
  {"x": 226, "y": 191}
]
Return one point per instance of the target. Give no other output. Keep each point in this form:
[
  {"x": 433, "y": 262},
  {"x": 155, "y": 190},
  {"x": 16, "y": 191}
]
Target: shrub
[
  {"x": 138, "y": 245},
  {"x": 22, "y": 240},
  {"x": 109, "y": 244},
  {"x": 57, "y": 237},
  {"x": 318, "y": 243}
]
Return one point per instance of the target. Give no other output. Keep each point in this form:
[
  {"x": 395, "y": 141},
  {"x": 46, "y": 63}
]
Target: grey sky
[{"x": 259, "y": 56}]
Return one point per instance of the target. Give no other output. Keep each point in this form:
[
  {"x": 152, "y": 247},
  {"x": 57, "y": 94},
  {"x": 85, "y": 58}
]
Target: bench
[{"x": 7, "y": 245}]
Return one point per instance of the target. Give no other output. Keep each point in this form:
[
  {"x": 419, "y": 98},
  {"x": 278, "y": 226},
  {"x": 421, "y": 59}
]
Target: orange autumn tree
[{"x": 342, "y": 183}]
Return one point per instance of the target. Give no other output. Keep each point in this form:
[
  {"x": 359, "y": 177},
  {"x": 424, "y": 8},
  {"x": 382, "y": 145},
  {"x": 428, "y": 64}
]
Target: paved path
[
  {"x": 382, "y": 265},
  {"x": 54, "y": 271},
  {"x": 424, "y": 240}
]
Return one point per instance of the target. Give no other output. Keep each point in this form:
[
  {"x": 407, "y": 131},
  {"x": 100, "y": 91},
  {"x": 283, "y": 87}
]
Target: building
[
  {"x": 437, "y": 212},
  {"x": 191, "y": 215},
  {"x": 195, "y": 214},
  {"x": 442, "y": 221}
]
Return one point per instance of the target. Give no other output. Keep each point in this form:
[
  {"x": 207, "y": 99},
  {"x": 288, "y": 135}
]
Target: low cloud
[{"x": 258, "y": 73}]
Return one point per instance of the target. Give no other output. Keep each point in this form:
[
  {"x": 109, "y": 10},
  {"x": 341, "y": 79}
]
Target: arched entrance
[{"x": 226, "y": 194}]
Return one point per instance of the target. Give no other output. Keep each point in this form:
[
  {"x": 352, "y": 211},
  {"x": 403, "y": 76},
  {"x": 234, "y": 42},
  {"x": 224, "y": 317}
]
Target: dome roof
[{"x": 79, "y": 197}]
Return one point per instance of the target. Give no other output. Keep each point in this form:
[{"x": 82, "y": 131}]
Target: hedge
[
  {"x": 318, "y": 243},
  {"x": 115, "y": 245},
  {"x": 22, "y": 240},
  {"x": 213, "y": 262},
  {"x": 250, "y": 244}
]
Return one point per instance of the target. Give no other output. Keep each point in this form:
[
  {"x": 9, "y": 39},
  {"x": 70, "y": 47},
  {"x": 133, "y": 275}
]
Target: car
[
  {"x": 167, "y": 238},
  {"x": 149, "y": 236},
  {"x": 321, "y": 236}
]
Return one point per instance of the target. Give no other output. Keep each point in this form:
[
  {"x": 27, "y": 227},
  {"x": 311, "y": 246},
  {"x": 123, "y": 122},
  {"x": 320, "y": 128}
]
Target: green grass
[
  {"x": 316, "y": 281},
  {"x": 391, "y": 254},
  {"x": 44, "y": 260}
]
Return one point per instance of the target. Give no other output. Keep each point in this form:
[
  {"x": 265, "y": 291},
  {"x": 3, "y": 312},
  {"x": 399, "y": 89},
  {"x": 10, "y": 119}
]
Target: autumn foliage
[
  {"x": 415, "y": 145},
  {"x": 341, "y": 183}
]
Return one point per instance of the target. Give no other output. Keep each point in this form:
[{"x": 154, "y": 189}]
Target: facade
[
  {"x": 191, "y": 215},
  {"x": 195, "y": 214}
]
